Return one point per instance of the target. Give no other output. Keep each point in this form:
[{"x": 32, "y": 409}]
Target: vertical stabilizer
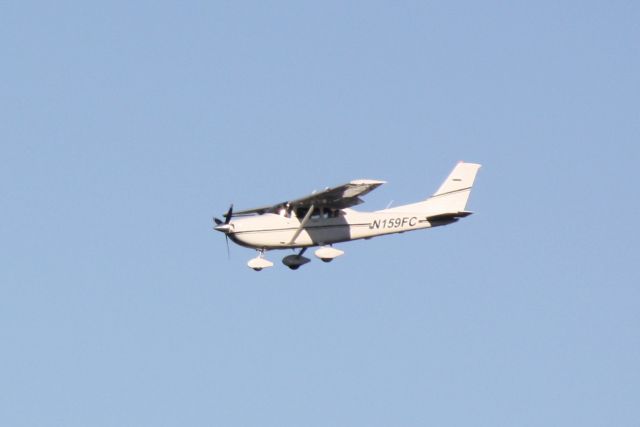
[
  {"x": 451, "y": 197},
  {"x": 454, "y": 192}
]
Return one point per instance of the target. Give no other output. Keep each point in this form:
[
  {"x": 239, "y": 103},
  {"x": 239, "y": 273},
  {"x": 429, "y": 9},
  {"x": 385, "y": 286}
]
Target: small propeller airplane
[{"x": 325, "y": 217}]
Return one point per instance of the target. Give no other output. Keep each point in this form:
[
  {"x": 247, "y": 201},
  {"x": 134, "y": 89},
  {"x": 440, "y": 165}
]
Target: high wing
[{"x": 340, "y": 197}]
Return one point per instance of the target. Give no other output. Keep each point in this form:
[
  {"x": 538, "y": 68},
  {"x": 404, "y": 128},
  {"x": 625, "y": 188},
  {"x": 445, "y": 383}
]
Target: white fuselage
[{"x": 273, "y": 231}]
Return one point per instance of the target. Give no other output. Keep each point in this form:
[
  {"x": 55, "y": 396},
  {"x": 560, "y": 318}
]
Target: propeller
[
  {"x": 227, "y": 217},
  {"x": 219, "y": 222},
  {"x": 226, "y": 239}
]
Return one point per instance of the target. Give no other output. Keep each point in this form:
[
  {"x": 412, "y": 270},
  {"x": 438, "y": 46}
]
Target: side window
[{"x": 318, "y": 213}]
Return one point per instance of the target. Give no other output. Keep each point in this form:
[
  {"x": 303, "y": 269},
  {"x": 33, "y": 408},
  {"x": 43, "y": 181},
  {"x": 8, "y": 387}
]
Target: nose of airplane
[{"x": 225, "y": 228}]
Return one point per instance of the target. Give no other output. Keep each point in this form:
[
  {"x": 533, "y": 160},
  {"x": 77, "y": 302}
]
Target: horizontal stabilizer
[{"x": 446, "y": 216}]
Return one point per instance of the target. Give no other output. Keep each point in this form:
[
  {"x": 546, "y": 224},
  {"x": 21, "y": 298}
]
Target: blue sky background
[{"x": 126, "y": 125}]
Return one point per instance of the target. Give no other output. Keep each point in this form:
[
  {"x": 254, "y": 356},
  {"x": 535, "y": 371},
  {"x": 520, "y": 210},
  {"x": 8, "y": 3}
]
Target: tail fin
[
  {"x": 454, "y": 192},
  {"x": 451, "y": 198}
]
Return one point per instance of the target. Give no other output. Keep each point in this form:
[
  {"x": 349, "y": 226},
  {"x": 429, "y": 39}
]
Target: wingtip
[{"x": 367, "y": 182}]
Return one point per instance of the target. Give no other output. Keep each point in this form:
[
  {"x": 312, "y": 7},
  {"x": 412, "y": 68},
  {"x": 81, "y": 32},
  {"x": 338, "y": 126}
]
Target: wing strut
[{"x": 302, "y": 224}]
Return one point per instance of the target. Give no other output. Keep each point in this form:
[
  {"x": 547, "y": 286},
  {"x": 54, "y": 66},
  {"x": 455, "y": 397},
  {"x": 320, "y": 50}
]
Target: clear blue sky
[{"x": 126, "y": 125}]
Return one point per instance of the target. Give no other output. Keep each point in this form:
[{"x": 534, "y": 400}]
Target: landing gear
[
  {"x": 328, "y": 254},
  {"x": 258, "y": 263},
  {"x": 295, "y": 261}
]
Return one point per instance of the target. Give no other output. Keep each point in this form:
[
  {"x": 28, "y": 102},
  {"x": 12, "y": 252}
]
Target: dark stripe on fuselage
[{"x": 313, "y": 227}]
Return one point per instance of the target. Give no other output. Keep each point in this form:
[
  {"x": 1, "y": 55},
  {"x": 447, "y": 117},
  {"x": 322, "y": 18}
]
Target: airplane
[{"x": 326, "y": 217}]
